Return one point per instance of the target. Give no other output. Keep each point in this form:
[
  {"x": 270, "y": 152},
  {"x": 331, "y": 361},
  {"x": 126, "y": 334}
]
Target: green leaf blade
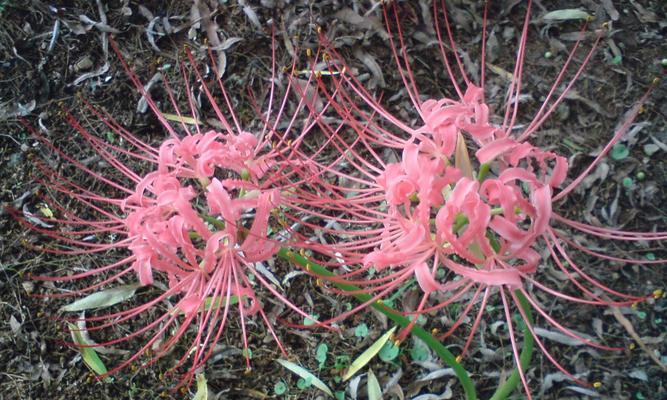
[
  {"x": 368, "y": 354},
  {"x": 88, "y": 354},
  {"x": 373, "y": 387},
  {"x": 102, "y": 299}
]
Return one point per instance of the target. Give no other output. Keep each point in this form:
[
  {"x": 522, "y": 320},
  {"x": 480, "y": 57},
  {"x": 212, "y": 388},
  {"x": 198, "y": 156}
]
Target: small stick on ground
[{"x": 631, "y": 331}]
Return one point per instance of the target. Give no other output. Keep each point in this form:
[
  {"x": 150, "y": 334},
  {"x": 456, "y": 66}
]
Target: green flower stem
[
  {"x": 402, "y": 289},
  {"x": 433, "y": 343},
  {"x": 213, "y": 221},
  {"x": 508, "y": 387},
  {"x": 461, "y": 220},
  {"x": 483, "y": 170}
]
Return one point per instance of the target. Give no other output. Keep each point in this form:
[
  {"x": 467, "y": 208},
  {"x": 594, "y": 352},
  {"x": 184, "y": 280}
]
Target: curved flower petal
[
  {"x": 493, "y": 149},
  {"x": 559, "y": 172},
  {"x": 398, "y": 253},
  {"x": 497, "y": 277},
  {"x": 541, "y": 200},
  {"x": 189, "y": 304},
  {"x": 427, "y": 282},
  {"x": 256, "y": 246}
]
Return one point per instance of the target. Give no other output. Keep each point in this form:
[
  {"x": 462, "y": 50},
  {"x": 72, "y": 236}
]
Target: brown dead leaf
[
  {"x": 610, "y": 10},
  {"x": 369, "y": 61},
  {"x": 643, "y": 14},
  {"x": 574, "y": 95},
  {"x": 631, "y": 331},
  {"x": 349, "y": 16}
]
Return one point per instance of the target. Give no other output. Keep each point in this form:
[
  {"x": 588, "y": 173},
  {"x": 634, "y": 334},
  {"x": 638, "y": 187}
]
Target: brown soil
[{"x": 38, "y": 80}]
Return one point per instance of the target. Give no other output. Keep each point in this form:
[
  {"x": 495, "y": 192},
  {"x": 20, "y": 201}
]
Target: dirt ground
[{"x": 53, "y": 55}]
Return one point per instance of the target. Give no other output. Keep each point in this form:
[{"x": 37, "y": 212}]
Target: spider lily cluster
[
  {"x": 484, "y": 221},
  {"x": 465, "y": 225},
  {"x": 198, "y": 223}
]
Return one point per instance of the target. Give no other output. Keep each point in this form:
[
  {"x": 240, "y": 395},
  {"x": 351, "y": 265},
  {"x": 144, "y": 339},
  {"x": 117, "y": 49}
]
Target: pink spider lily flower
[
  {"x": 194, "y": 228},
  {"x": 432, "y": 210}
]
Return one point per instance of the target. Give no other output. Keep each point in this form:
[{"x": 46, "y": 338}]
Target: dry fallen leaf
[
  {"x": 372, "y": 65},
  {"x": 611, "y": 10},
  {"x": 631, "y": 331},
  {"x": 348, "y": 15},
  {"x": 567, "y": 14},
  {"x": 14, "y": 325}
]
